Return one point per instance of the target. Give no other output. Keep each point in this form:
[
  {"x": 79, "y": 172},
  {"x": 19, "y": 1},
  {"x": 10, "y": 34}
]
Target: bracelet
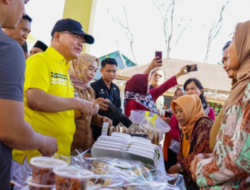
[{"x": 180, "y": 168}]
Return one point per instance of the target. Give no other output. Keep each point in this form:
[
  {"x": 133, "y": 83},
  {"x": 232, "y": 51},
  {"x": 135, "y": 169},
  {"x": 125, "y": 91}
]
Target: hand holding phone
[
  {"x": 158, "y": 54},
  {"x": 192, "y": 68}
]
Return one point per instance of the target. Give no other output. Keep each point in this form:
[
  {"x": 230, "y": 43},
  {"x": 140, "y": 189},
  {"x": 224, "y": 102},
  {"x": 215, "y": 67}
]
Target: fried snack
[
  {"x": 34, "y": 186},
  {"x": 68, "y": 178},
  {"x": 42, "y": 169}
]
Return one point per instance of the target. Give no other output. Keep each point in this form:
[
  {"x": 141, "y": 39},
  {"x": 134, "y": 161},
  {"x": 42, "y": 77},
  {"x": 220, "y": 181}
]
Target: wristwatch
[{"x": 180, "y": 168}]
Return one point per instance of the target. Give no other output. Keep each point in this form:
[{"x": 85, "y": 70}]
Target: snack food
[
  {"x": 35, "y": 186},
  {"x": 68, "y": 178},
  {"x": 42, "y": 169}
]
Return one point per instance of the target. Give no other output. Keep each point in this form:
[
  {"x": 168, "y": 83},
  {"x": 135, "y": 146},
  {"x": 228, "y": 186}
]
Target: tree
[
  {"x": 113, "y": 18},
  {"x": 119, "y": 17},
  {"x": 128, "y": 32},
  {"x": 167, "y": 9},
  {"x": 214, "y": 30}
]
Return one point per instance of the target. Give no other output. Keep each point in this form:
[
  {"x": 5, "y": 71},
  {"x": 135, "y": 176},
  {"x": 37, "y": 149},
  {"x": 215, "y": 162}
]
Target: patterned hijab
[
  {"x": 192, "y": 107},
  {"x": 137, "y": 89},
  {"x": 242, "y": 41},
  {"x": 78, "y": 65}
]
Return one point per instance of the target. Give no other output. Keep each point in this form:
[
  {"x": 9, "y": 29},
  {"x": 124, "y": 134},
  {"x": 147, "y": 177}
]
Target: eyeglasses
[{"x": 77, "y": 37}]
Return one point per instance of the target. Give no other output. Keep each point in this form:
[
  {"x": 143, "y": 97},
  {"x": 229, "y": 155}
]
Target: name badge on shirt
[{"x": 101, "y": 91}]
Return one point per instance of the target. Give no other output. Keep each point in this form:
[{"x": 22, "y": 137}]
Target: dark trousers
[{"x": 172, "y": 159}]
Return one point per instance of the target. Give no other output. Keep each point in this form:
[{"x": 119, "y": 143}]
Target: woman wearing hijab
[
  {"x": 232, "y": 75},
  {"x": 194, "y": 136},
  {"x": 81, "y": 72},
  {"x": 138, "y": 96},
  {"x": 229, "y": 165},
  {"x": 171, "y": 140},
  {"x": 194, "y": 86}
]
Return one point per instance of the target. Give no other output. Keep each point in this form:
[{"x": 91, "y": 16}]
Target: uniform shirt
[
  {"x": 113, "y": 94},
  {"x": 12, "y": 64},
  {"x": 48, "y": 71}
]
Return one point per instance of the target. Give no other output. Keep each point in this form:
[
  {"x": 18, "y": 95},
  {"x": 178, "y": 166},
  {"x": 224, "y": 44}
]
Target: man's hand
[
  {"x": 193, "y": 165},
  {"x": 86, "y": 107},
  {"x": 174, "y": 169},
  {"x": 106, "y": 119},
  {"x": 49, "y": 147},
  {"x": 102, "y": 104},
  {"x": 183, "y": 71}
]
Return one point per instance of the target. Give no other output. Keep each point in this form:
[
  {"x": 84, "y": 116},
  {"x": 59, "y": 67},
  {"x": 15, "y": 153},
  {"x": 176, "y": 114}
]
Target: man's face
[
  {"x": 35, "y": 50},
  {"x": 20, "y": 34},
  {"x": 109, "y": 72},
  {"x": 71, "y": 45},
  {"x": 14, "y": 13}
]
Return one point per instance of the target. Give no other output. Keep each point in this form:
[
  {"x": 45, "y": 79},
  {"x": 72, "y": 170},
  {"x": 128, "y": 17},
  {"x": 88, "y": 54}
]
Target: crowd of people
[{"x": 57, "y": 109}]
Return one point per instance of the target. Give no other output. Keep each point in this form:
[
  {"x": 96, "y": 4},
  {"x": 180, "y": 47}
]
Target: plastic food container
[
  {"x": 68, "y": 178},
  {"x": 42, "y": 169},
  {"x": 35, "y": 186}
]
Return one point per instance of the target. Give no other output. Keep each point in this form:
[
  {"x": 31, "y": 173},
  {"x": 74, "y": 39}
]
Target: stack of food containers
[
  {"x": 50, "y": 173},
  {"x": 43, "y": 177}
]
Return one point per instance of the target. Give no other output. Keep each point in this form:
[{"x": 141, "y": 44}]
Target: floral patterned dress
[
  {"x": 199, "y": 143},
  {"x": 229, "y": 166}
]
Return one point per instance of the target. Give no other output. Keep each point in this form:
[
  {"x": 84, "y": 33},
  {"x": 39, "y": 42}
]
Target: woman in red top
[{"x": 139, "y": 97}]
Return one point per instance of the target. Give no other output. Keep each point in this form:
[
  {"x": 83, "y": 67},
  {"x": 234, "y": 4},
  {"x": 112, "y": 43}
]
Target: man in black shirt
[{"x": 106, "y": 89}]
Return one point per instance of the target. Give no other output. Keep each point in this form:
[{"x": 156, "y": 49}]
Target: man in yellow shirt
[{"x": 48, "y": 91}]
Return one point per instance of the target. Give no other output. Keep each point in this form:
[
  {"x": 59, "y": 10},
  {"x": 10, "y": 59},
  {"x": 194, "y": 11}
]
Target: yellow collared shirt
[{"x": 48, "y": 71}]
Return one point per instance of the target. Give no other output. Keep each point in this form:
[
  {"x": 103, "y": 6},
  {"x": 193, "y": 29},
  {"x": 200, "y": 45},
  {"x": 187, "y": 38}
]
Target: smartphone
[
  {"x": 168, "y": 114},
  {"x": 159, "y": 55},
  {"x": 192, "y": 68}
]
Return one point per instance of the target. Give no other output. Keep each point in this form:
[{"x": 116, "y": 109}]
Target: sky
[{"x": 146, "y": 25}]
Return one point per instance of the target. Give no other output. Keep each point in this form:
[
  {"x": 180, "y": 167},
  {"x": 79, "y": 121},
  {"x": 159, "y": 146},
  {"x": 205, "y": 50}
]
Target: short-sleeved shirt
[
  {"x": 12, "y": 64},
  {"x": 113, "y": 94},
  {"x": 48, "y": 71}
]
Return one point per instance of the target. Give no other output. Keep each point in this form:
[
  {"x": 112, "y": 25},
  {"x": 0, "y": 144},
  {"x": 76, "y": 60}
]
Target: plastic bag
[
  {"x": 145, "y": 122},
  {"x": 112, "y": 173}
]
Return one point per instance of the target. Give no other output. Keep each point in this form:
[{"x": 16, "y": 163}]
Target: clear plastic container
[
  {"x": 68, "y": 178},
  {"x": 42, "y": 169},
  {"x": 35, "y": 186}
]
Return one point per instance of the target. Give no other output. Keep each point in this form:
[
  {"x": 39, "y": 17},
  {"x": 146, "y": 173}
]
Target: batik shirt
[{"x": 229, "y": 166}]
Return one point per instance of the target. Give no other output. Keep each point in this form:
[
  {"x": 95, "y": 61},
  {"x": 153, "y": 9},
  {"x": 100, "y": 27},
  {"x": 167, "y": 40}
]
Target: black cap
[
  {"x": 73, "y": 27},
  {"x": 41, "y": 45}
]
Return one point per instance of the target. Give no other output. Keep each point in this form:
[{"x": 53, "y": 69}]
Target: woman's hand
[
  {"x": 193, "y": 165},
  {"x": 174, "y": 169},
  {"x": 106, "y": 119},
  {"x": 156, "y": 62},
  {"x": 95, "y": 108},
  {"x": 167, "y": 119},
  {"x": 102, "y": 104},
  {"x": 183, "y": 71}
]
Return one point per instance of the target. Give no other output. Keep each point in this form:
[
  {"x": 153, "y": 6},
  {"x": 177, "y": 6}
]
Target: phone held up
[
  {"x": 192, "y": 68},
  {"x": 159, "y": 55}
]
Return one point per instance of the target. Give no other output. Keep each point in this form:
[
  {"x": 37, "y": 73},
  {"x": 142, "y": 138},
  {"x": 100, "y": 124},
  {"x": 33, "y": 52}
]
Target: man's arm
[
  {"x": 18, "y": 134},
  {"x": 38, "y": 100}
]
